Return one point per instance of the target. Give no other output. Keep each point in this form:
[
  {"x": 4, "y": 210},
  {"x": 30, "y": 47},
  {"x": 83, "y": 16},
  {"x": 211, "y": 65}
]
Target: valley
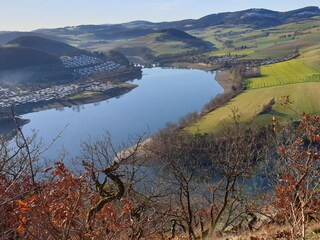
[
  {"x": 205, "y": 128},
  {"x": 205, "y": 44},
  {"x": 287, "y": 44}
]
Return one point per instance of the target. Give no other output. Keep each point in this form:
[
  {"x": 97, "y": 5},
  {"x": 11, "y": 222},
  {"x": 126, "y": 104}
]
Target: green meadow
[
  {"x": 299, "y": 78},
  {"x": 305, "y": 97}
]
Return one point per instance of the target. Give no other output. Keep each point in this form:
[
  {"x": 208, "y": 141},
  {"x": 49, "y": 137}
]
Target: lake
[{"x": 163, "y": 95}]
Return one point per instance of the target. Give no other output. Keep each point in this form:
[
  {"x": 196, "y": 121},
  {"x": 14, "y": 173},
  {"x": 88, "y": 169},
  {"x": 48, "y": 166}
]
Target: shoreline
[
  {"x": 199, "y": 66},
  {"x": 122, "y": 87},
  {"x": 91, "y": 97}
]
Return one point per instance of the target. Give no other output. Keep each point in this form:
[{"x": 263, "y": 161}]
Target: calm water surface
[{"x": 163, "y": 95}]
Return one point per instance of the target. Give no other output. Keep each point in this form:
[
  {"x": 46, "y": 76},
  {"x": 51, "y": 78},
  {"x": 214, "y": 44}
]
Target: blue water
[{"x": 163, "y": 95}]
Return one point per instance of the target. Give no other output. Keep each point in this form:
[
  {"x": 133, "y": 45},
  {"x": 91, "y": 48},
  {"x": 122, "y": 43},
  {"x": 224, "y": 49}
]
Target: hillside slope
[
  {"x": 159, "y": 43},
  {"x": 172, "y": 34},
  {"x": 17, "y": 57},
  {"x": 6, "y": 37},
  {"x": 45, "y": 45}
]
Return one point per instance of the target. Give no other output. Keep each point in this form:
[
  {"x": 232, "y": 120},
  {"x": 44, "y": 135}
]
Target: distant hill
[
  {"x": 172, "y": 34},
  {"x": 161, "y": 43},
  {"x": 255, "y": 18},
  {"x": 6, "y": 37},
  {"x": 105, "y": 31},
  {"x": 45, "y": 45},
  {"x": 32, "y": 60},
  {"x": 17, "y": 57},
  {"x": 175, "y": 35}
]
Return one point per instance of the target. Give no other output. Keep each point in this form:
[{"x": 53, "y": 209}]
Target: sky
[{"x": 26, "y": 15}]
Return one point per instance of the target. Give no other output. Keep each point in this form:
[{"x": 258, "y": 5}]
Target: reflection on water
[{"x": 163, "y": 95}]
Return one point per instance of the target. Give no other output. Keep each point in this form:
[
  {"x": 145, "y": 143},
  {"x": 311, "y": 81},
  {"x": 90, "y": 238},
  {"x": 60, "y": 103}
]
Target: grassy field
[
  {"x": 312, "y": 58},
  {"x": 250, "y": 103},
  {"x": 275, "y": 42},
  {"x": 282, "y": 73},
  {"x": 299, "y": 78},
  {"x": 210, "y": 34}
]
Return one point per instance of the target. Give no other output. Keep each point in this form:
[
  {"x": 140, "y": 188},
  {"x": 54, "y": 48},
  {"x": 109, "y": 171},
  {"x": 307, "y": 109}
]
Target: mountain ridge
[{"x": 255, "y": 17}]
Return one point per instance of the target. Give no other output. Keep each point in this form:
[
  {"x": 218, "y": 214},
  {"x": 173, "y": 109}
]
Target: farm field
[
  {"x": 298, "y": 78},
  {"x": 282, "y": 73},
  {"x": 312, "y": 58},
  {"x": 250, "y": 103},
  {"x": 276, "y": 42}
]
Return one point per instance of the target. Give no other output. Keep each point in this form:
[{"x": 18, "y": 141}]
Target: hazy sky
[{"x": 34, "y": 14}]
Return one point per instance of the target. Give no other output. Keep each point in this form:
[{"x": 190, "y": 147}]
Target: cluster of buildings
[
  {"x": 84, "y": 65},
  {"x": 92, "y": 70},
  {"x": 80, "y": 61},
  {"x": 5, "y": 92},
  {"x": 224, "y": 58},
  {"x": 52, "y": 93}
]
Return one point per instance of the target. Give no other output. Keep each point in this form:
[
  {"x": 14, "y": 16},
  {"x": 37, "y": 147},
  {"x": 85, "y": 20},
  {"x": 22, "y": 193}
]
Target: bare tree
[
  {"x": 119, "y": 176},
  {"x": 235, "y": 155},
  {"x": 180, "y": 156}
]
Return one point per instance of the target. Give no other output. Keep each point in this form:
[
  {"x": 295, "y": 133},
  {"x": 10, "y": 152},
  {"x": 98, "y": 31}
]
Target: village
[
  {"x": 60, "y": 92},
  {"x": 84, "y": 65}
]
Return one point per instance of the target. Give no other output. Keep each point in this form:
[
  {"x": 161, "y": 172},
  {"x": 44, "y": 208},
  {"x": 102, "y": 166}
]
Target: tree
[
  {"x": 206, "y": 175},
  {"x": 17, "y": 176},
  {"x": 56, "y": 209},
  {"x": 119, "y": 180},
  {"x": 235, "y": 157},
  {"x": 180, "y": 157},
  {"x": 298, "y": 148}
]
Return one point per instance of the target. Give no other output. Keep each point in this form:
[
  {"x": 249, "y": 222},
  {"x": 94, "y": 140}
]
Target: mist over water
[{"x": 163, "y": 95}]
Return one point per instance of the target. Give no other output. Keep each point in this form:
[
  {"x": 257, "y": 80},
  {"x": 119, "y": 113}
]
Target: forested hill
[
  {"x": 255, "y": 18},
  {"x": 172, "y": 34},
  {"x": 45, "y": 45},
  {"x": 17, "y": 57}
]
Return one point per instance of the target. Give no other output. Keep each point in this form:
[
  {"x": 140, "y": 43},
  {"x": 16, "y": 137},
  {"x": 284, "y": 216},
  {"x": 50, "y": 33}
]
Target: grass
[
  {"x": 299, "y": 78},
  {"x": 209, "y": 33},
  {"x": 250, "y": 103},
  {"x": 282, "y": 73},
  {"x": 312, "y": 58},
  {"x": 272, "y": 46},
  {"x": 172, "y": 47}
]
